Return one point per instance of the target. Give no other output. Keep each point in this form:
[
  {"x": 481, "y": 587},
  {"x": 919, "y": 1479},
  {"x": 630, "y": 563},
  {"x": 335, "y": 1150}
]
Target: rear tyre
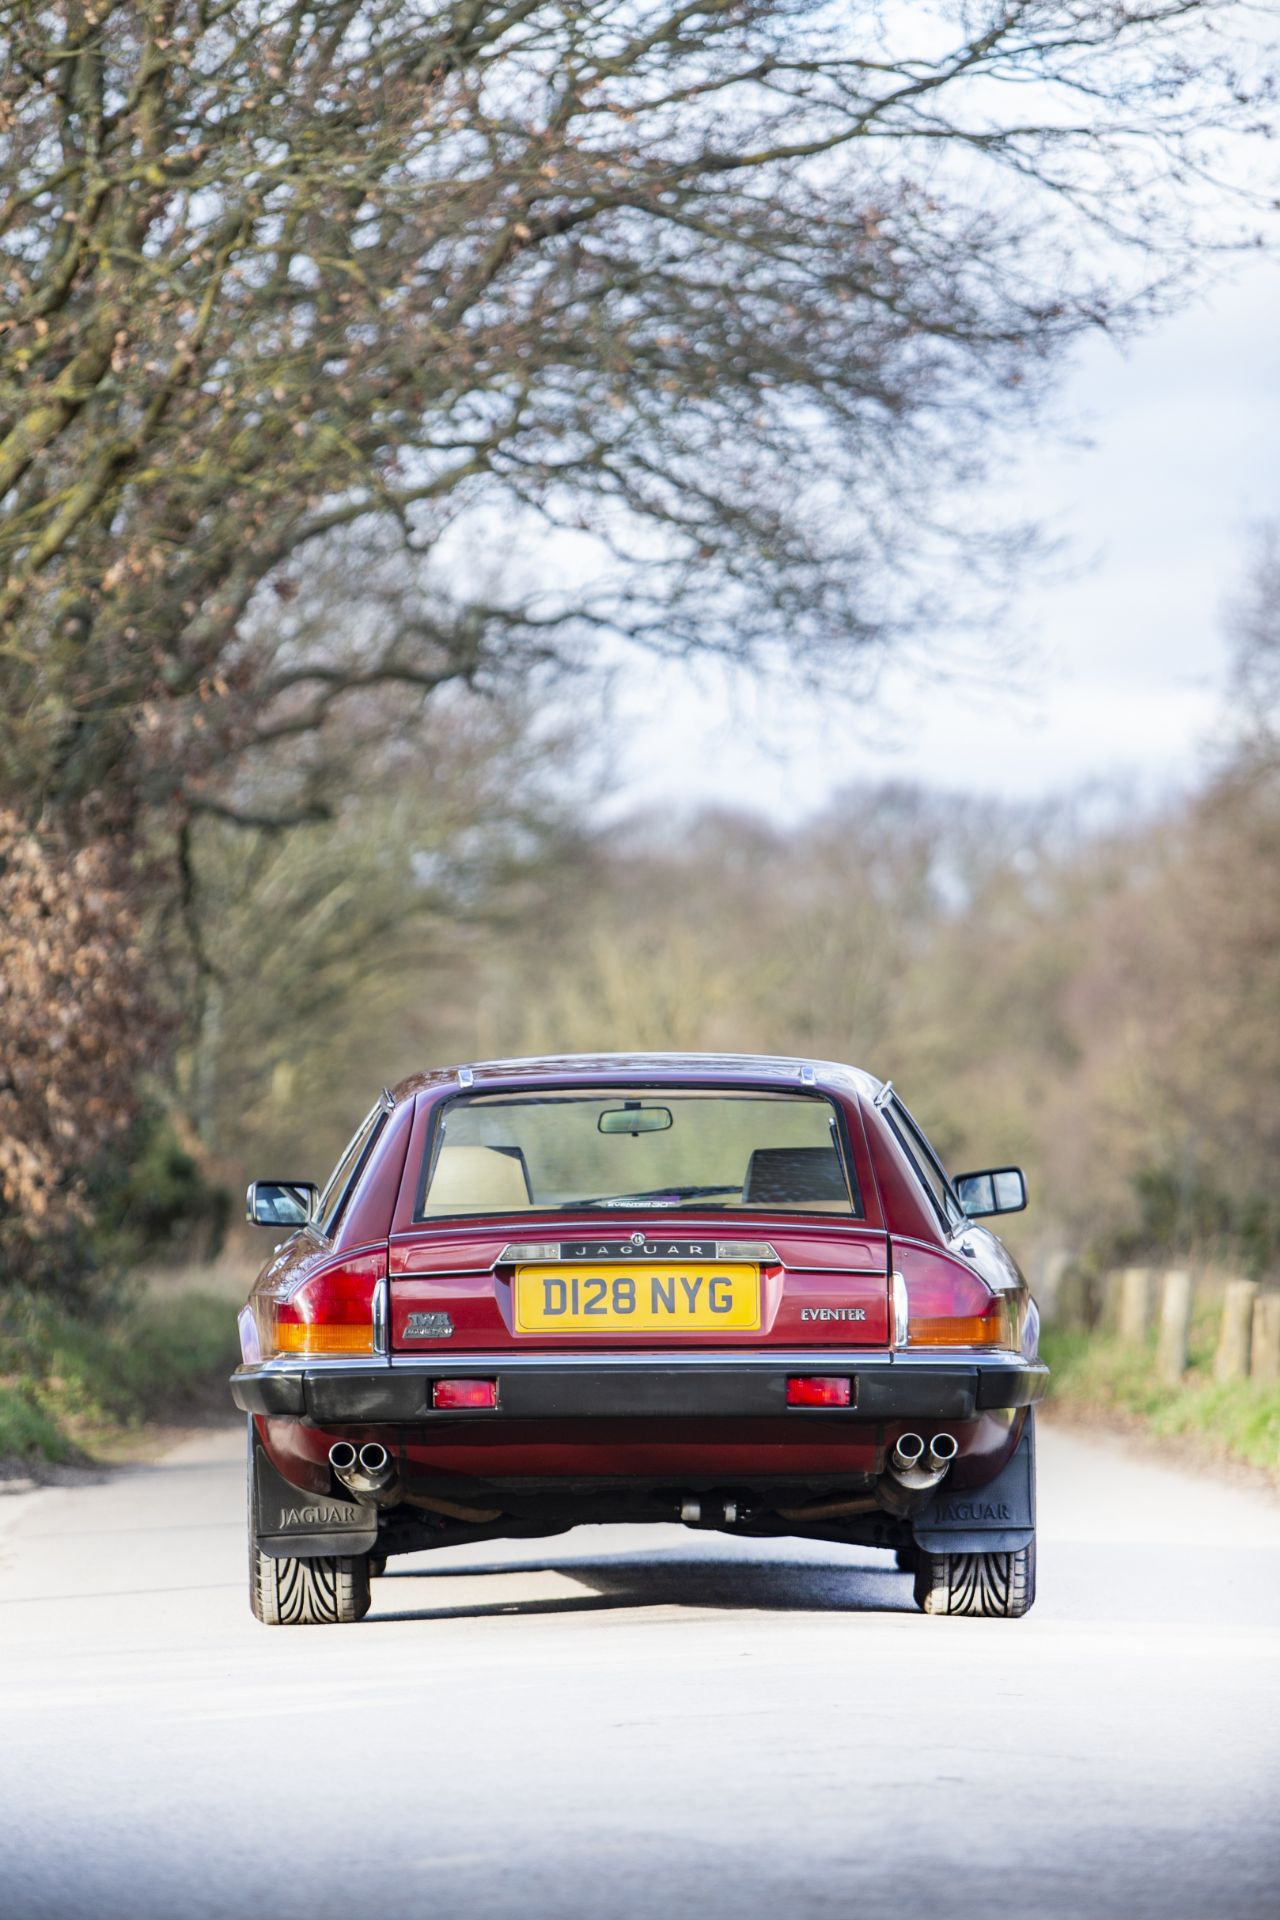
[
  {"x": 307, "y": 1593},
  {"x": 991, "y": 1586}
]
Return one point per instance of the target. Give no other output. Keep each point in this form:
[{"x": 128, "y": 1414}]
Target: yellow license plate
[{"x": 638, "y": 1299}]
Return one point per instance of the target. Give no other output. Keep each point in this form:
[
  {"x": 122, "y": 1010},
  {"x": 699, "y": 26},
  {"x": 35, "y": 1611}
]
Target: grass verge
[
  {"x": 75, "y": 1386},
  {"x": 1095, "y": 1374}
]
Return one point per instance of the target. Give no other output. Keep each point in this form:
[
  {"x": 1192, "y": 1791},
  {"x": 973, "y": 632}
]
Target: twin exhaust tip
[
  {"x": 364, "y": 1470},
  {"x": 912, "y": 1451}
]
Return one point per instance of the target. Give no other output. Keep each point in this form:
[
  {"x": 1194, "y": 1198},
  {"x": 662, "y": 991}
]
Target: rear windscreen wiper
[{"x": 654, "y": 1196}]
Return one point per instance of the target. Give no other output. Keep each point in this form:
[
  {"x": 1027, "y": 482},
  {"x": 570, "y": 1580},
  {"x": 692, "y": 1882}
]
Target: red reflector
[
  {"x": 465, "y": 1393},
  {"x": 817, "y": 1390}
]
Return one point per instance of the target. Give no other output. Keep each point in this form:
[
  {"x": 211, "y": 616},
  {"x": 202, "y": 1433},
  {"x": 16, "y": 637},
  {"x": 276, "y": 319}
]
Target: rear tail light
[
  {"x": 947, "y": 1306},
  {"x": 465, "y": 1393},
  {"x": 329, "y": 1315},
  {"x": 817, "y": 1390}
]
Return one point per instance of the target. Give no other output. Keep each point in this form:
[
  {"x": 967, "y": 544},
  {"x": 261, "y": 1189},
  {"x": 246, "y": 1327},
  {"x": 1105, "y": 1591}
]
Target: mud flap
[
  {"x": 997, "y": 1518},
  {"x": 290, "y": 1524}
]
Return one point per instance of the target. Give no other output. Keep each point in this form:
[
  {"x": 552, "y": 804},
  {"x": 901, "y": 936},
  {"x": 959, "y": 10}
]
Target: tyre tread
[
  {"x": 991, "y": 1586},
  {"x": 325, "y": 1592}
]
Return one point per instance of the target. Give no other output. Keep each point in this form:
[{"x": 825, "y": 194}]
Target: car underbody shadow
[{"x": 663, "y": 1579}]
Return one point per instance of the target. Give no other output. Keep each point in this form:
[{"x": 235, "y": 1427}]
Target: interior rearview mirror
[
  {"x": 281, "y": 1203},
  {"x": 997, "y": 1190},
  {"x": 633, "y": 1118}
]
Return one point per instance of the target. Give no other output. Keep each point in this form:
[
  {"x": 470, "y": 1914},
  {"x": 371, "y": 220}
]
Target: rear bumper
[{"x": 885, "y": 1386}]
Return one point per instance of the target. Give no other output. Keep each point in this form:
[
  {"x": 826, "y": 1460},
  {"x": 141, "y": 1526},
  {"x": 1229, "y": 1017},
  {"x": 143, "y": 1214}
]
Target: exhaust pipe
[
  {"x": 369, "y": 1471},
  {"x": 914, "y": 1470},
  {"x": 709, "y": 1513}
]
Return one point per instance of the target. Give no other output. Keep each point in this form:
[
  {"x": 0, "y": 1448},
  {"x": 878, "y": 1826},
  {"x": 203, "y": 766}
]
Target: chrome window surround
[
  {"x": 914, "y": 1143},
  {"x": 465, "y": 1078}
]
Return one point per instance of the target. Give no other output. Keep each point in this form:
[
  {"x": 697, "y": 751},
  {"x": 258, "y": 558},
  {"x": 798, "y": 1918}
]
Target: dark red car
[{"x": 737, "y": 1292}]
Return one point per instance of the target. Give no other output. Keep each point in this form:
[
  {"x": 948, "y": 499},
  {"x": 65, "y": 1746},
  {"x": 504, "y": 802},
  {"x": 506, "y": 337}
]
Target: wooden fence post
[
  {"x": 1135, "y": 1305},
  {"x": 1175, "y": 1327},
  {"x": 1264, "y": 1361},
  {"x": 1049, "y": 1285},
  {"x": 1234, "y": 1339},
  {"x": 1071, "y": 1300}
]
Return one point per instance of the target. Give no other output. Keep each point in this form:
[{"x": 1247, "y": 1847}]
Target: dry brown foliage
[{"x": 76, "y": 1022}]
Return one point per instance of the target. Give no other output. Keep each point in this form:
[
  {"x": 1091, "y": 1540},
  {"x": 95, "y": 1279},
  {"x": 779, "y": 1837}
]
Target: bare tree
[
  {"x": 1254, "y": 628},
  {"x": 728, "y": 288}
]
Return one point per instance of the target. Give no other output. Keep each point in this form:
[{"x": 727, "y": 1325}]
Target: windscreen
[{"x": 659, "y": 1148}]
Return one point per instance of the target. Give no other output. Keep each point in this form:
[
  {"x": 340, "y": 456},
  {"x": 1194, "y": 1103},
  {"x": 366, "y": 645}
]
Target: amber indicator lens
[
  {"x": 818, "y": 1390},
  {"x": 318, "y": 1337},
  {"x": 464, "y": 1393}
]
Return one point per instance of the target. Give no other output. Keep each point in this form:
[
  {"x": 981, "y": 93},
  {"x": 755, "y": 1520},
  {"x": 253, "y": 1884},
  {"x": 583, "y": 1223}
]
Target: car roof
[{"x": 577, "y": 1069}]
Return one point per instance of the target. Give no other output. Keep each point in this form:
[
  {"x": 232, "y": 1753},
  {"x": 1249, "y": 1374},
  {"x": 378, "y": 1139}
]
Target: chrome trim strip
[
  {"x": 315, "y": 1362},
  {"x": 837, "y": 1273},
  {"x": 617, "y": 1252},
  {"x": 823, "y": 1359},
  {"x": 441, "y": 1273},
  {"x": 380, "y": 1302},
  {"x": 518, "y": 1254},
  {"x": 820, "y": 1359},
  {"x": 900, "y": 1310}
]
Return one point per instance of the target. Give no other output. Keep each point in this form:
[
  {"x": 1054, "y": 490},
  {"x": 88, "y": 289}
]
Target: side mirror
[
  {"x": 1000, "y": 1190},
  {"x": 280, "y": 1203}
]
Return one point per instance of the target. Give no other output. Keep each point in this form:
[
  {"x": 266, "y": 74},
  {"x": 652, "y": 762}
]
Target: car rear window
[{"x": 663, "y": 1148}]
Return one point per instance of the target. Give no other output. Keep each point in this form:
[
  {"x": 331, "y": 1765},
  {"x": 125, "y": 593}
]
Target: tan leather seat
[{"x": 477, "y": 1180}]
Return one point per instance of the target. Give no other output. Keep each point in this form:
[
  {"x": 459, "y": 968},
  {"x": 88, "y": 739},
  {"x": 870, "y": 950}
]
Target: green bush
[
  {"x": 1096, "y": 1373},
  {"x": 27, "y": 1431},
  {"x": 67, "y": 1379}
]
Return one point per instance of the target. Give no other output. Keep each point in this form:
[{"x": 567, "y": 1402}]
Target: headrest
[
  {"x": 478, "y": 1179},
  {"x": 793, "y": 1175}
]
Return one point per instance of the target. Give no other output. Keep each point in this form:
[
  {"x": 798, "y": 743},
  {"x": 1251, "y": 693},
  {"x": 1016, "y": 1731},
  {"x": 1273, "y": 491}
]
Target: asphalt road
[{"x": 626, "y": 1722}]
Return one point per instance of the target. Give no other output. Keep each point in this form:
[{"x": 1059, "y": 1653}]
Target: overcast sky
[{"x": 1127, "y": 653}]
